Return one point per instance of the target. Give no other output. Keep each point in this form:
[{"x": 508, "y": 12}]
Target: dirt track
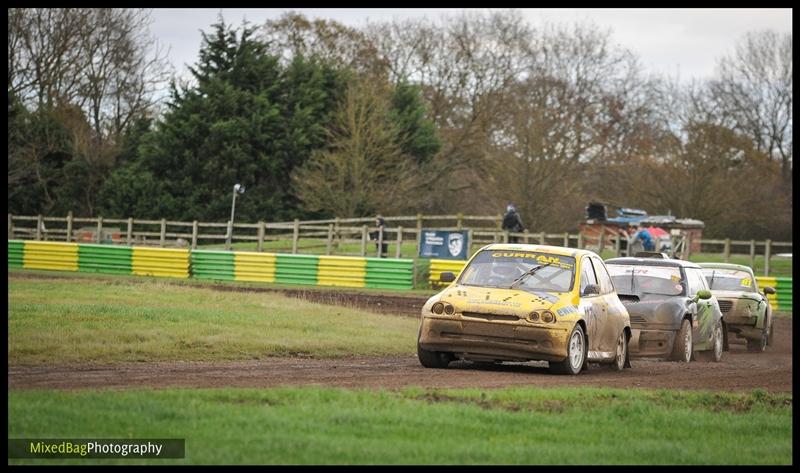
[{"x": 739, "y": 369}]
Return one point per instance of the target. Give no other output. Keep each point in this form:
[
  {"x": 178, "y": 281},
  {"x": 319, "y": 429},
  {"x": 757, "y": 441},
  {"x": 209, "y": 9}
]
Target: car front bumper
[
  {"x": 497, "y": 340},
  {"x": 650, "y": 342}
]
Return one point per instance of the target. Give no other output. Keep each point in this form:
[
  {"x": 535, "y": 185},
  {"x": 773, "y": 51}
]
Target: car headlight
[
  {"x": 548, "y": 317},
  {"x": 449, "y": 309},
  {"x": 533, "y": 317},
  {"x": 437, "y": 308}
]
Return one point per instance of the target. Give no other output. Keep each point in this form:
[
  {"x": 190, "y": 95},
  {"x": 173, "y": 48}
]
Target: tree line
[{"x": 461, "y": 114}]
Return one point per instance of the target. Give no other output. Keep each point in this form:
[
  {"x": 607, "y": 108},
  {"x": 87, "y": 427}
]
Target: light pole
[{"x": 237, "y": 189}]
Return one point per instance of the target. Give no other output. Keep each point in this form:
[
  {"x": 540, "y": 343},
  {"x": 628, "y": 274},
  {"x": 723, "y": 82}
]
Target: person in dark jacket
[
  {"x": 512, "y": 222},
  {"x": 380, "y": 236}
]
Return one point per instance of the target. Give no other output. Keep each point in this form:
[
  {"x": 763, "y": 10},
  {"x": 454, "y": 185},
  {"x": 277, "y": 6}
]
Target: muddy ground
[{"x": 739, "y": 369}]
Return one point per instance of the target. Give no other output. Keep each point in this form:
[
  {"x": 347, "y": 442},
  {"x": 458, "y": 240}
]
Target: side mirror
[
  {"x": 769, "y": 290},
  {"x": 447, "y": 276},
  {"x": 591, "y": 290},
  {"x": 703, "y": 294}
]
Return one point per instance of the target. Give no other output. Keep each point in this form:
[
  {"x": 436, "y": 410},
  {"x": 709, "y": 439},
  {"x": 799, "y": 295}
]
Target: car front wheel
[
  {"x": 433, "y": 359},
  {"x": 576, "y": 354},
  {"x": 682, "y": 348}
]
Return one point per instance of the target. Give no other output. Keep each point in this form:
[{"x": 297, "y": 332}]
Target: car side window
[
  {"x": 587, "y": 274},
  {"x": 696, "y": 280},
  {"x": 606, "y": 286}
]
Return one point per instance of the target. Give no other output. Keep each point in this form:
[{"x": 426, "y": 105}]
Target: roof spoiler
[{"x": 651, "y": 254}]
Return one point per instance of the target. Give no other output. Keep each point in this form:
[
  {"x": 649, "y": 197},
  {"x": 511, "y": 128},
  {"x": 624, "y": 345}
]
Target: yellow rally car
[{"x": 527, "y": 302}]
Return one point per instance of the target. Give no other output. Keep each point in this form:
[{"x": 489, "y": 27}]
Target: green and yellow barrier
[
  {"x": 345, "y": 271},
  {"x": 50, "y": 255},
  {"x": 255, "y": 267},
  {"x": 217, "y": 265},
  {"x": 163, "y": 262},
  {"x": 104, "y": 259},
  {"x": 782, "y": 299},
  {"x": 438, "y": 266}
]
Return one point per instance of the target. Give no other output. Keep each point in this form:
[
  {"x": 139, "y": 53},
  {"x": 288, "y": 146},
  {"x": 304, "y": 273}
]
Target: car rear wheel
[
  {"x": 621, "y": 354},
  {"x": 433, "y": 359},
  {"x": 759, "y": 344},
  {"x": 576, "y": 354},
  {"x": 771, "y": 336},
  {"x": 682, "y": 348}
]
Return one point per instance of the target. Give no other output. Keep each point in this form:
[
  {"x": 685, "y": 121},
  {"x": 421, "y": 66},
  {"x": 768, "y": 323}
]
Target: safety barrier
[
  {"x": 438, "y": 266},
  {"x": 104, "y": 259},
  {"x": 782, "y": 299},
  {"x": 214, "y": 265},
  {"x": 50, "y": 255}
]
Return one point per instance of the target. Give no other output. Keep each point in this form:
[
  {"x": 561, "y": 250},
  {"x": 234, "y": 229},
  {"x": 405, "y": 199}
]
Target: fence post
[
  {"x": 99, "y": 229},
  {"x": 505, "y": 236},
  {"x": 419, "y": 232},
  {"x": 602, "y": 243},
  {"x": 498, "y": 221},
  {"x": 336, "y": 231},
  {"x": 459, "y": 221},
  {"x": 130, "y": 231},
  {"x": 10, "y": 228},
  {"x": 527, "y": 237},
  {"x": 262, "y": 228},
  {"x": 163, "y": 238},
  {"x": 363, "y": 240},
  {"x": 566, "y": 239},
  {"x": 618, "y": 246},
  {"x": 688, "y": 245},
  {"x": 469, "y": 243},
  {"x": 329, "y": 243},
  {"x": 580, "y": 241},
  {"x": 380, "y": 243},
  {"x": 398, "y": 252},
  {"x": 194, "y": 234},
  {"x": 752, "y": 253},
  {"x": 38, "y": 227},
  {"x": 69, "y": 225},
  {"x": 727, "y": 251},
  {"x": 541, "y": 238},
  {"x": 295, "y": 235},
  {"x": 767, "y": 254}
]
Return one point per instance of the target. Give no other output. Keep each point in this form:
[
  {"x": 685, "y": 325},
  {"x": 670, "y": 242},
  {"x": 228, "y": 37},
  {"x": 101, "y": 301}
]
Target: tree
[
  {"x": 365, "y": 170},
  {"x": 246, "y": 119},
  {"x": 752, "y": 94},
  {"x": 96, "y": 72}
]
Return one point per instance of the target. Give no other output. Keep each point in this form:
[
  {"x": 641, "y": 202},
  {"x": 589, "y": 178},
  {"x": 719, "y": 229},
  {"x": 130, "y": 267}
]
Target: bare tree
[{"x": 752, "y": 93}]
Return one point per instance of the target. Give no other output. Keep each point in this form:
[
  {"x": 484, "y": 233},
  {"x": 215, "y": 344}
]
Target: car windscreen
[
  {"x": 728, "y": 279},
  {"x": 545, "y": 272},
  {"x": 639, "y": 279}
]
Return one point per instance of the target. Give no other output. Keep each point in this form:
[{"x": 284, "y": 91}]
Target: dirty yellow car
[{"x": 523, "y": 303}]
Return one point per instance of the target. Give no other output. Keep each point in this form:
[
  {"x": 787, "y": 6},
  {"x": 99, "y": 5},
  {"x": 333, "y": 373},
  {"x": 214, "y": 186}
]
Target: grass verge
[
  {"x": 114, "y": 320},
  {"x": 414, "y": 426}
]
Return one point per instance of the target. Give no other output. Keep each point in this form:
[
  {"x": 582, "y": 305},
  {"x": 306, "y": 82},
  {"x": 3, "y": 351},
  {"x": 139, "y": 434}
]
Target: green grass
[
  {"x": 415, "y": 426},
  {"x": 115, "y": 320}
]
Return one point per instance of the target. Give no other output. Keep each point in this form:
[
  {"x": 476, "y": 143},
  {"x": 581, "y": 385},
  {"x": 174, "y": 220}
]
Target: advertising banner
[{"x": 444, "y": 244}]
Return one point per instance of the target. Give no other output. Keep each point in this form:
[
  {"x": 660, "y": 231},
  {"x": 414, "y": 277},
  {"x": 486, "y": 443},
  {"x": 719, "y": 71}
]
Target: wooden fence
[{"x": 347, "y": 236}]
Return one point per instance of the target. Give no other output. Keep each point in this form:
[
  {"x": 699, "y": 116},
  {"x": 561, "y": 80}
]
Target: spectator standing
[
  {"x": 380, "y": 236},
  {"x": 512, "y": 222},
  {"x": 646, "y": 239}
]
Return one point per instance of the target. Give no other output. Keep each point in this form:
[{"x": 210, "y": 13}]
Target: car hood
[{"x": 488, "y": 300}]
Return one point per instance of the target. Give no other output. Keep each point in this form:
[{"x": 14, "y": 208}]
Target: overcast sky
[{"x": 684, "y": 42}]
